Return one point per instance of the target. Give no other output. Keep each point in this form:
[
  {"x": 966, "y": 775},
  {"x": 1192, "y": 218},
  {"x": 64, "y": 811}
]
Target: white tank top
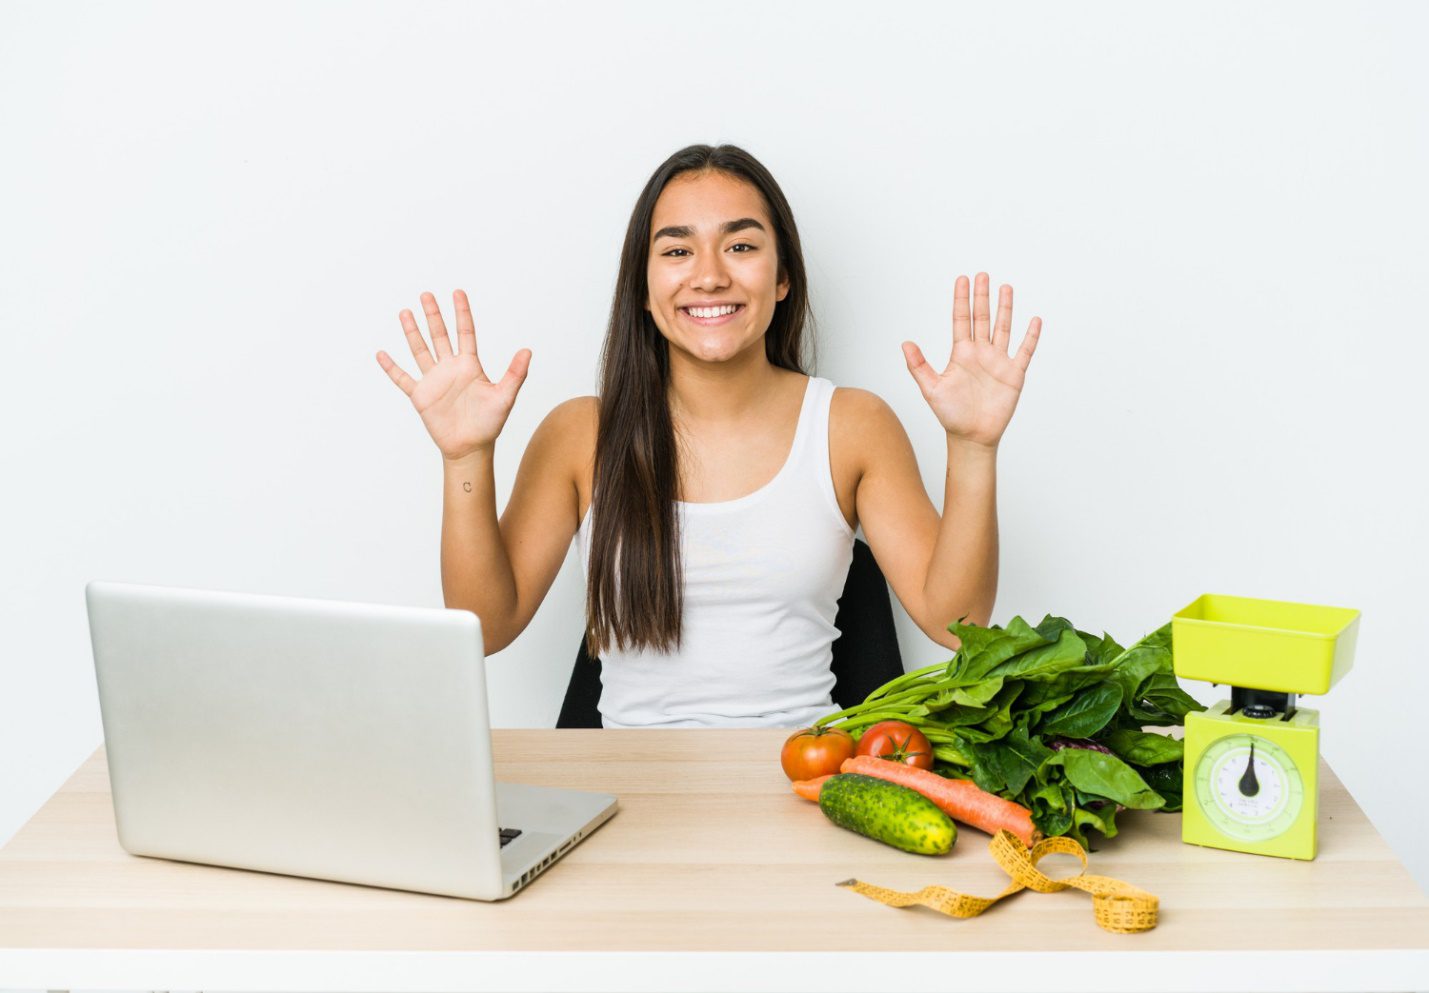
[{"x": 763, "y": 575}]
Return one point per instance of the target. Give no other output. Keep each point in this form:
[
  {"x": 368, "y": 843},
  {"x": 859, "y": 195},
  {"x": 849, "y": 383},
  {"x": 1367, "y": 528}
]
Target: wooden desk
[{"x": 712, "y": 876}]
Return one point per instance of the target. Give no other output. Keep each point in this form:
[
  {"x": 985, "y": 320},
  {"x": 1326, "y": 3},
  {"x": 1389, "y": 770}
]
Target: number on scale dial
[{"x": 1249, "y": 787}]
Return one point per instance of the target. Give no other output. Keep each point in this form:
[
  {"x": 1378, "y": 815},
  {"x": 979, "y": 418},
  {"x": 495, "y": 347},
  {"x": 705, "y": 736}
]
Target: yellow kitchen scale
[{"x": 1252, "y": 762}]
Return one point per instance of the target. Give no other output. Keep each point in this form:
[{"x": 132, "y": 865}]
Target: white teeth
[{"x": 711, "y": 311}]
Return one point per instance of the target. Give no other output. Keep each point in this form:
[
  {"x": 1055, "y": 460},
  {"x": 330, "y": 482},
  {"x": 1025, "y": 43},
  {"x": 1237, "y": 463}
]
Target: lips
[{"x": 708, "y": 322}]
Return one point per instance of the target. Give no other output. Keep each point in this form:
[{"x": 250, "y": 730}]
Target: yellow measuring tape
[{"x": 1118, "y": 906}]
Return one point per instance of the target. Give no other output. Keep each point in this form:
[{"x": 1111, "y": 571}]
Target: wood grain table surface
[{"x": 709, "y": 856}]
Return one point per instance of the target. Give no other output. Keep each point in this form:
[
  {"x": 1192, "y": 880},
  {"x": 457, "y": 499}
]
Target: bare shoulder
[
  {"x": 574, "y": 414},
  {"x": 865, "y": 439},
  {"x": 568, "y": 432},
  {"x": 857, "y": 402},
  {"x": 862, "y": 424},
  {"x": 563, "y": 448}
]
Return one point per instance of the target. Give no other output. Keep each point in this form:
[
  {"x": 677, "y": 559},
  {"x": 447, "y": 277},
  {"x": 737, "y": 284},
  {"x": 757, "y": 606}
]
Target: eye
[{"x": 742, "y": 244}]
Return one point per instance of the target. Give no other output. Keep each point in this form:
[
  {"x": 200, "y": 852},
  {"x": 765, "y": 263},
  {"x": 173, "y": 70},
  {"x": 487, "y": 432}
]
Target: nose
[{"x": 709, "y": 273}]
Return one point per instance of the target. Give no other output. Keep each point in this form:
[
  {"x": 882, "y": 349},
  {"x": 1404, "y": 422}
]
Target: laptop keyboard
[{"x": 507, "y": 834}]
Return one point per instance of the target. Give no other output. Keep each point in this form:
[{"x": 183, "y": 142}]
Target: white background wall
[{"x": 210, "y": 217}]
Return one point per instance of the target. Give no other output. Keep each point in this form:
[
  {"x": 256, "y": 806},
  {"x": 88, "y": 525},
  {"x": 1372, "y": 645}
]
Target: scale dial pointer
[{"x": 1249, "y": 785}]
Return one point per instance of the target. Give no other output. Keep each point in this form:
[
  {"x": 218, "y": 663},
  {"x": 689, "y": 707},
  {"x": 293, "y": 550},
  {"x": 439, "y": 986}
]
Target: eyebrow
[{"x": 685, "y": 231}]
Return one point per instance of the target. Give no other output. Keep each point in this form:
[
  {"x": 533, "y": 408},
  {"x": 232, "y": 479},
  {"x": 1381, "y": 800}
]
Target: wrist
[
  {"x": 965, "y": 448},
  {"x": 473, "y": 459}
]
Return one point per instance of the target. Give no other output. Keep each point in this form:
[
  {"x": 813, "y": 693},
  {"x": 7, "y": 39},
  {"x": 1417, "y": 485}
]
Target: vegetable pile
[{"x": 1047, "y": 717}]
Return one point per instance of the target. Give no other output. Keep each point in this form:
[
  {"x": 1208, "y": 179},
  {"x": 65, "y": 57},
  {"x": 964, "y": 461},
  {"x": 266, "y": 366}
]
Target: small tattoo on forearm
[{"x": 466, "y": 486}]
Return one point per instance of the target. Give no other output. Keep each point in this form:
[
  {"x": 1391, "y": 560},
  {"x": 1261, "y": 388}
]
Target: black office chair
[{"x": 865, "y": 653}]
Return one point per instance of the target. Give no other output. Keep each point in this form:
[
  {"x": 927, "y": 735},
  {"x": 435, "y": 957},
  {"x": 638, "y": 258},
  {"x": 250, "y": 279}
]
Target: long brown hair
[{"x": 634, "y": 525}]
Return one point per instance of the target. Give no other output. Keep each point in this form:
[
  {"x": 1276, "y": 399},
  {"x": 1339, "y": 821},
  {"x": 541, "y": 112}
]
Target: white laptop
[{"x": 343, "y": 741}]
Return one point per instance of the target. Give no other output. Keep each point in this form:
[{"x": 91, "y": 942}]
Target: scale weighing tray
[{"x": 1268, "y": 644}]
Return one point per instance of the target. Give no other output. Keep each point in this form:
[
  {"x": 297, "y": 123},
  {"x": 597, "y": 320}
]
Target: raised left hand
[{"x": 974, "y": 397}]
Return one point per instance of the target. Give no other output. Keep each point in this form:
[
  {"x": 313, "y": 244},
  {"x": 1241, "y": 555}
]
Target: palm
[
  {"x": 462, "y": 409},
  {"x": 975, "y": 395}
]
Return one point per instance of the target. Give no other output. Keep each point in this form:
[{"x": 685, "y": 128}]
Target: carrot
[
  {"x": 809, "y": 788},
  {"x": 960, "y": 799}
]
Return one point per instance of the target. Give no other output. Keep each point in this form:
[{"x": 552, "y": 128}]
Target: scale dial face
[{"x": 1248, "y": 787}]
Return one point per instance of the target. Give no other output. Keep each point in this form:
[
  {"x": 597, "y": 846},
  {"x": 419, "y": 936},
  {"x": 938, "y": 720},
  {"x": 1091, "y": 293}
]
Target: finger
[
  {"x": 980, "y": 308},
  {"x": 923, "y": 374},
  {"x": 962, "y": 316},
  {"x": 516, "y": 372},
  {"x": 1029, "y": 344},
  {"x": 465, "y": 327},
  {"x": 436, "y": 327},
  {"x": 416, "y": 342},
  {"x": 1002, "y": 327},
  {"x": 394, "y": 372}
]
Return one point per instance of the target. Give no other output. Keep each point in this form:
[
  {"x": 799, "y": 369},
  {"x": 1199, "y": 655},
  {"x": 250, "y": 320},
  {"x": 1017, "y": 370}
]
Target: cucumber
[{"x": 887, "y": 812}]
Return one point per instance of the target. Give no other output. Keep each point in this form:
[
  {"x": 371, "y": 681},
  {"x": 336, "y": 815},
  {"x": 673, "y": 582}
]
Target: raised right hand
[{"x": 463, "y": 411}]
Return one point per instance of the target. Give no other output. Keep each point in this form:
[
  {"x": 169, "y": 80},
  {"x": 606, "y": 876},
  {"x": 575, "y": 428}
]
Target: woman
[{"x": 713, "y": 486}]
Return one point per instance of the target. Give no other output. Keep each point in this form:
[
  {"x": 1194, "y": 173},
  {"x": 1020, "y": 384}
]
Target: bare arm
[
  {"x": 502, "y": 571},
  {"x": 476, "y": 569},
  {"x": 498, "y": 570},
  {"x": 941, "y": 567},
  {"x": 944, "y": 567},
  {"x": 962, "y": 576}
]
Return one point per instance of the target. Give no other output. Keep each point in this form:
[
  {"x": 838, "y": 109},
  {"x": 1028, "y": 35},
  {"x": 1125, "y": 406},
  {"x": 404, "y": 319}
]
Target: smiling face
[{"x": 713, "y": 249}]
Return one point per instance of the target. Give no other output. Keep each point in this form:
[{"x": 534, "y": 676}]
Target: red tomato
[
  {"x": 897, "y": 741},
  {"x": 814, "y": 752}
]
